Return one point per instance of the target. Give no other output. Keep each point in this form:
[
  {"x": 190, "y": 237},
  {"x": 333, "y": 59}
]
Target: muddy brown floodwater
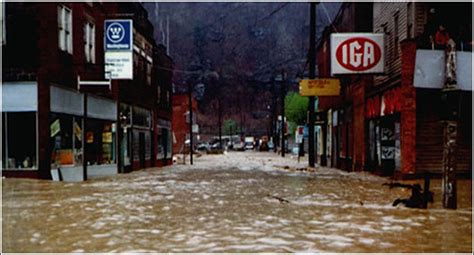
[{"x": 221, "y": 205}]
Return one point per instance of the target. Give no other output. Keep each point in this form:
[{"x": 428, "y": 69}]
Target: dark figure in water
[{"x": 418, "y": 198}]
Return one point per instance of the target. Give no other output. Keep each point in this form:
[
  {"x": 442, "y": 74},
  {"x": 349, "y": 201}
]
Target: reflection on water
[{"x": 178, "y": 209}]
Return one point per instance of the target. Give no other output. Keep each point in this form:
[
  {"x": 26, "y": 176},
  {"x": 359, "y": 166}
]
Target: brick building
[
  {"x": 47, "y": 122},
  {"x": 343, "y": 131},
  {"x": 180, "y": 121},
  {"x": 384, "y": 123}
]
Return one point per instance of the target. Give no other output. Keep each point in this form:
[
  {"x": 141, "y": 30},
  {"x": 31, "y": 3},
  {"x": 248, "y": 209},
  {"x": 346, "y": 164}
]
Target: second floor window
[
  {"x": 65, "y": 29},
  {"x": 89, "y": 42}
]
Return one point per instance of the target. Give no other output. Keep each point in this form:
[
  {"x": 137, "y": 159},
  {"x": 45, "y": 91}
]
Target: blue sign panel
[
  {"x": 305, "y": 131},
  {"x": 118, "y": 35}
]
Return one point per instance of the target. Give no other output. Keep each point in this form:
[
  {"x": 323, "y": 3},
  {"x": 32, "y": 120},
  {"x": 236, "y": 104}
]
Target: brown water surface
[{"x": 221, "y": 205}]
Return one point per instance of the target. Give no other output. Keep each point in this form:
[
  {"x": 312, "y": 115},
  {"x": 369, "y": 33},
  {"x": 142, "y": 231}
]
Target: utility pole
[
  {"x": 283, "y": 93},
  {"x": 220, "y": 121},
  {"x": 274, "y": 118},
  {"x": 190, "y": 94},
  {"x": 451, "y": 99},
  {"x": 312, "y": 75}
]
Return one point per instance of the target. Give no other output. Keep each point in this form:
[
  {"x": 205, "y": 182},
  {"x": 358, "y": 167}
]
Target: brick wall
[
  {"x": 180, "y": 127},
  {"x": 359, "y": 125},
  {"x": 408, "y": 108}
]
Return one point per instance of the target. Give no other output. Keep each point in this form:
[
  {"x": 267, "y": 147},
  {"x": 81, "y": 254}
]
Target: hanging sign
[
  {"x": 357, "y": 53},
  {"x": 320, "y": 87},
  {"x": 118, "y": 35},
  {"x": 118, "y": 49}
]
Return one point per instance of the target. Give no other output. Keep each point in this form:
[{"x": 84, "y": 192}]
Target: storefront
[
  {"x": 141, "y": 142},
  {"x": 66, "y": 120},
  {"x": 67, "y": 132},
  {"x": 19, "y": 131},
  {"x": 125, "y": 137},
  {"x": 164, "y": 144},
  {"x": 383, "y": 132}
]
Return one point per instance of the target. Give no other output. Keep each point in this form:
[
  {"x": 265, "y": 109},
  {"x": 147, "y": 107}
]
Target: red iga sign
[{"x": 356, "y": 53}]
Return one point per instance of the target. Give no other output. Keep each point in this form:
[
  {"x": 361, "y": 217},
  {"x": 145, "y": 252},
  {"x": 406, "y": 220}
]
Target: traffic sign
[{"x": 320, "y": 87}]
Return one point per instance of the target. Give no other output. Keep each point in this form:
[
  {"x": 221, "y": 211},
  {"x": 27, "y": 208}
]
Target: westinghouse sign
[
  {"x": 357, "y": 53},
  {"x": 118, "y": 34},
  {"x": 118, "y": 45}
]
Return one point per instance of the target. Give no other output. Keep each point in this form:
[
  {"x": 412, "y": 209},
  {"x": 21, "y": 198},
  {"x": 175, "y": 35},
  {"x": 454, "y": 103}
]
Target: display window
[
  {"x": 19, "y": 140},
  {"x": 100, "y": 142},
  {"x": 66, "y": 140}
]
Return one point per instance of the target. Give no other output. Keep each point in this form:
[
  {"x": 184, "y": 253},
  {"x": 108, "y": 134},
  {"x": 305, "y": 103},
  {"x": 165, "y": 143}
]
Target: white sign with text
[
  {"x": 119, "y": 65},
  {"x": 357, "y": 53}
]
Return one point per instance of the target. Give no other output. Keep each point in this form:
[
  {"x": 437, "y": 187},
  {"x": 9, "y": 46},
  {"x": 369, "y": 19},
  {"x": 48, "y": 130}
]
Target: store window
[
  {"x": 148, "y": 72},
  {"x": 65, "y": 28},
  {"x": 100, "y": 142},
  {"x": 66, "y": 140},
  {"x": 19, "y": 140},
  {"x": 141, "y": 117},
  {"x": 2, "y": 18},
  {"x": 89, "y": 42}
]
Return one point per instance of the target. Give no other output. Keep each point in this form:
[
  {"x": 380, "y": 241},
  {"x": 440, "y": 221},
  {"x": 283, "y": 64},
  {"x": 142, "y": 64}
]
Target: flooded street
[{"x": 224, "y": 204}]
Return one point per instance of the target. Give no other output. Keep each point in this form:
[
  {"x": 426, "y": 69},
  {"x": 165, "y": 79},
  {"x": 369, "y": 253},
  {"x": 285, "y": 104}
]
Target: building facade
[
  {"x": 385, "y": 123},
  {"x": 181, "y": 122},
  {"x": 50, "y": 127}
]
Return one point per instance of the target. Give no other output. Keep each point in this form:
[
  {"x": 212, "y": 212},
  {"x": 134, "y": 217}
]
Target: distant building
[
  {"x": 48, "y": 123},
  {"x": 181, "y": 122}
]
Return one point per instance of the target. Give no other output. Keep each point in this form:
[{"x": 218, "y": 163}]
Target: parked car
[
  {"x": 238, "y": 146},
  {"x": 249, "y": 143},
  {"x": 204, "y": 147},
  {"x": 270, "y": 145}
]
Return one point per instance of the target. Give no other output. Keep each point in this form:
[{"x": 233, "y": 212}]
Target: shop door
[
  {"x": 141, "y": 150},
  {"x": 387, "y": 142}
]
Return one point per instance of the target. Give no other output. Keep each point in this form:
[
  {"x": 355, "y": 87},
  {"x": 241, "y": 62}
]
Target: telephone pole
[
  {"x": 282, "y": 127},
  {"x": 451, "y": 98},
  {"x": 312, "y": 75},
  {"x": 190, "y": 94}
]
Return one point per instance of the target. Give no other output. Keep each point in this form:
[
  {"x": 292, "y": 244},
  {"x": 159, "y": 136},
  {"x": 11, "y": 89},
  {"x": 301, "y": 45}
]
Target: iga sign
[{"x": 357, "y": 53}]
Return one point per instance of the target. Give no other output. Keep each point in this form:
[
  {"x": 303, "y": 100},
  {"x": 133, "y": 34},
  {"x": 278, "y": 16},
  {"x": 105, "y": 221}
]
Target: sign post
[{"x": 118, "y": 60}]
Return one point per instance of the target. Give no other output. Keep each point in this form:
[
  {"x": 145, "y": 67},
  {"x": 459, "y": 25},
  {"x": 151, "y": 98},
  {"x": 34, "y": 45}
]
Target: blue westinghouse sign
[{"x": 118, "y": 35}]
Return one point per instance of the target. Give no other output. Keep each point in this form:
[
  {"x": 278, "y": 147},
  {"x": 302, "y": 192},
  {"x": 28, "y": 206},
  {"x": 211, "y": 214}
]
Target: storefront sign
[
  {"x": 118, "y": 44},
  {"x": 389, "y": 103},
  {"x": 119, "y": 65},
  {"x": 55, "y": 128},
  {"x": 320, "y": 87},
  {"x": 357, "y": 53},
  {"x": 118, "y": 35}
]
